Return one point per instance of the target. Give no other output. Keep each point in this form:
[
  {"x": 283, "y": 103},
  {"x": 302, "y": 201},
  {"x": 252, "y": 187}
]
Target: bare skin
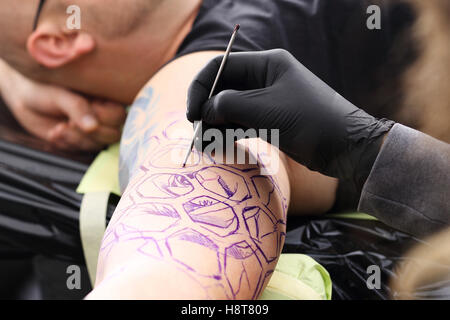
[
  {"x": 57, "y": 115},
  {"x": 208, "y": 231}
]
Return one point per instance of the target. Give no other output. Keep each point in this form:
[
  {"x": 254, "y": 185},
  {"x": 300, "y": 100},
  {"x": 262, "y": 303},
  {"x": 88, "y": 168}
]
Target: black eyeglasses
[{"x": 38, "y": 13}]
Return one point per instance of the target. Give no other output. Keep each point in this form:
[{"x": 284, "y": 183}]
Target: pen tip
[{"x": 237, "y": 27}]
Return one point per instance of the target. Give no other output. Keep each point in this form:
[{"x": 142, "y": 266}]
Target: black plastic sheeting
[
  {"x": 39, "y": 212},
  {"x": 346, "y": 248},
  {"x": 39, "y": 207},
  {"x": 39, "y": 233},
  {"x": 39, "y": 218}
]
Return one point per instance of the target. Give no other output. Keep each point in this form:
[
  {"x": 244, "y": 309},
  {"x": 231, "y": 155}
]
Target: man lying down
[{"x": 207, "y": 231}]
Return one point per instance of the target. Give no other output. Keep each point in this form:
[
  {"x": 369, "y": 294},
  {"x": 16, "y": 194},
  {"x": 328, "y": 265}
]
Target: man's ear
[{"x": 54, "y": 48}]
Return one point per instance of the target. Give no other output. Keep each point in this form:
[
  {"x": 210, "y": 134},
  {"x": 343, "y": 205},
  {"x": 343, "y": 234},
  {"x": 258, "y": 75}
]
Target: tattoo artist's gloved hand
[{"x": 272, "y": 90}]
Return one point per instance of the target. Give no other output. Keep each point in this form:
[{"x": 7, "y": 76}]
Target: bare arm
[{"x": 207, "y": 231}]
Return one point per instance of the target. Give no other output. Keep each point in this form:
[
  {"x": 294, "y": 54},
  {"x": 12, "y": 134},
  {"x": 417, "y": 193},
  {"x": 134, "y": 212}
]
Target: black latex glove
[{"x": 272, "y": 90}]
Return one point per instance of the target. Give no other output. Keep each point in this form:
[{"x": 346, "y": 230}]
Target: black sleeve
[
  {"x": 409, "y": 186},
  {"x": 298, "y": 26},
  {"x": 329, "y": 37}
]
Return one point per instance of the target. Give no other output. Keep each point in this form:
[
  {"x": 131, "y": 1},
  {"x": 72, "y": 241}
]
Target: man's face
[
  {"x": 15, "y": 25},
  {"x": 118, "y": 47},
  {"x": 97, "y": 58}
]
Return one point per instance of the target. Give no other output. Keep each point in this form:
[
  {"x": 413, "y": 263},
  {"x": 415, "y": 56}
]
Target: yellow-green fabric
[
  {"x": 297, "y": 277},
  {"x": 352, "y": 215},
  {"x": 92, "y": 227},
  {"x": 103, "y": 174}
]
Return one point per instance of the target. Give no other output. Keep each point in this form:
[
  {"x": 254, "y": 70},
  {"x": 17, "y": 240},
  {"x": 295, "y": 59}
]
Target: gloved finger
[
  {"x": 109, "y": 113},
  {"x": 200, "y": 89},
  {"x": 209, "y": 136},
  {"x": 238, "y": 108},
  {"x": 242, "y": 71}
]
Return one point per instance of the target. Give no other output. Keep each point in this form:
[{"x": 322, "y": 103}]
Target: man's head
[{"x": 119, "y": 46}]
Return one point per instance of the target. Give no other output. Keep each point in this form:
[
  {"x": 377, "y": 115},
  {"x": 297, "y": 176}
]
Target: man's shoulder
[
  {"x": 177, "y": 75},
  {"x": 183, "y": 67}
]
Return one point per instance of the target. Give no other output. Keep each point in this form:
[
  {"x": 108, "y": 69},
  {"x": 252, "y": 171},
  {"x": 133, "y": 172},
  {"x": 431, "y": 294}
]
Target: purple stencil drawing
[
  {"x": 264, "y": 231},
  {"x": 122, "y": 233},
  {"x": 165, "y": 186},
  {"x": 158, "y": 217},
  {"x": 265, "y": 194},
  {"x": 240, "y": 262},
  {"x": 114, "y": 235},
  {"x": 205, "y": 249},
  {"x": 200, "y": 203},
  {"x": 150, "y": 249},
  {"x": 214, "y": 215},
  {"x": 268, "y": 196},
  {"x": 261, "y": 162},
  {"x": 222, "y": 182},
  {"x": 167, "y": 157},
  {"x": 172, "y": 132},
  {"x": 151, "y": 143},
  {"x": 264, "y": 282},
  {"x": 283, "y": 198},
  {"x": 211, "y": 291}
]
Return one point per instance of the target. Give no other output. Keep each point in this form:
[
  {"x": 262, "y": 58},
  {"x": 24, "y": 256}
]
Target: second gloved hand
[{"x": 272, "y": 90}]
